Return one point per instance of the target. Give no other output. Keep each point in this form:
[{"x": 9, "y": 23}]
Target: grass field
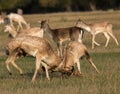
[{"x": 106, "y": 59}]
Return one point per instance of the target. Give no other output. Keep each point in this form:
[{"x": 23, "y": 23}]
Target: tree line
[{"x": 37, "y": 6}]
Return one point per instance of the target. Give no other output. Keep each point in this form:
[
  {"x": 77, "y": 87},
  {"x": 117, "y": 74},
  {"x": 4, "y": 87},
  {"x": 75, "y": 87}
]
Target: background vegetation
[
  {"x": 43, "y": 6},
  {"x": 106, "y": 59}
]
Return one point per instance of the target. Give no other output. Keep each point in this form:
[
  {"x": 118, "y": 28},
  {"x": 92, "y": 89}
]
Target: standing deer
[
  {"x": 96, "y": 28},
  {"x": 17, "y": 18},
  {"x": 36, "y": 47},
  {"x": 36, "y": 31},
  {"x": 62, "y": 34},
  {"x": 72, "y": 53}
]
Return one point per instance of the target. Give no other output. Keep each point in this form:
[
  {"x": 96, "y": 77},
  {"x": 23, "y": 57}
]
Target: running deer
[
  {"x": 17, "y": 18},
  {"x": 35, "y": 31},
  {"x": 36, "y": 47},
  {"x": 72, "y": 53},
  {"x": 62, "y": 34},
  {"x": 95, "y": 28}
]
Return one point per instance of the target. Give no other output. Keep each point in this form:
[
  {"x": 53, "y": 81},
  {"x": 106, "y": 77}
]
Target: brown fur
[
  {"x": 62, "y": 34},
  {"x": 73, "y": 52},
  {"x": 36, "y": 47},
  {"x": 96, "y": 28},
  {"x": 35, "y": 31}
]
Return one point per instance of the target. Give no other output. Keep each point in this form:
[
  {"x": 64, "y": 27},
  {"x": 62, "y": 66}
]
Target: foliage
[
  {"x": 7, "y": 5},
  {"x": 48, "y": 3},
  {"x": 57, "y": 5},
  {"x": 23, "y": 3},
  {"x": 11, "y": 4}
]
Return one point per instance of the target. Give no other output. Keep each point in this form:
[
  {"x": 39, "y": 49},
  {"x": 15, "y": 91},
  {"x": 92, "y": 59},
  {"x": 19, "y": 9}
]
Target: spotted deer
[
  {"x": 62, "y": 34},
  {"x": 35, "y": 31},
  {"x": 96, "y": 28},
  {"x": 72, "y": 53},
  {"x": 36, "y": 47}
]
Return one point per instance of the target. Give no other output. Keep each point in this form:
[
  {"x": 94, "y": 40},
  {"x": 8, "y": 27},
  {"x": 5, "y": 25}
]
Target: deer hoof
[
  {"x": 21, "y": 74},
  {"x": 10, "y": 73}
]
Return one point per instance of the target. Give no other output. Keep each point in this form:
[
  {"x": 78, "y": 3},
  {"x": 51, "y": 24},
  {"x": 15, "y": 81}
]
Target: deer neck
[
  {"x": 49, "y": 31},
  {"x": 87, "y": 27}
]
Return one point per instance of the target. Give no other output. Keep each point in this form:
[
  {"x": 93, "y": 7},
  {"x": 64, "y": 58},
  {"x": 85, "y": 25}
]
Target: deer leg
[
  {"x": 9, "y": 60},
  {"x": 7, "y": 66},
  {"x": 108, "y": 39},
  {"x": 38, "y": 61},
  {"x": 59, "y": 67},
  {"x": 114, "y": 38},
  {"x": 78, "y": 66},
  {"x": 18, "y": 68},
  {"x": 91, "y": 62},
  {"x": 15, "y": 65},
  {"x": 46, "y": 70},
  {"x": 80, "y": 36},
  {"x": 94, "y": 42},
  {"x": 59, "y": 49},
  {"x": 11, "y": 22},
  {"x": 61, "y": 54},
  {"x": 20, "y": 25},
  {"x": 93, "y": 38},
  {"x": 27, "y": 25},
  {"x": 62, "y": 63}
]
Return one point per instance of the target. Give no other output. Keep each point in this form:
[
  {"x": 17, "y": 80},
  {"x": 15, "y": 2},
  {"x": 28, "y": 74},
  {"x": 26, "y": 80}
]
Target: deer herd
[{"x": 30, "y": 41}]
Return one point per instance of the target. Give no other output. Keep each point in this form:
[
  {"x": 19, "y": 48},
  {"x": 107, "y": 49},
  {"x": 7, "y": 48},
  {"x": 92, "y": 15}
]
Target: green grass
[
  {"x": 107, "y": 82},
  {"x": 106, "y": 59}
]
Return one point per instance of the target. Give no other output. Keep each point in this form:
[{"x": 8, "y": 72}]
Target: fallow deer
[
  {"x": 95, "y": 28},
  {"x": 62, "y": 34},
  {"x": 36, "y": 47},
  {"x": 17, "y": 18},
  {"x": 72, "y": 53},
  {"x": 35, "y": 31}
]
